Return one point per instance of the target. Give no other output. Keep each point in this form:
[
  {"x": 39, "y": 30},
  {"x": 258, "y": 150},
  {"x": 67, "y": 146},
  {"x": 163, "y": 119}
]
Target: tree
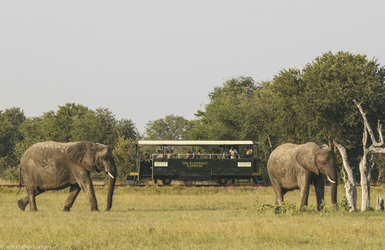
[
  {"x": 10, "y": 135},
  {"x": 123, "y": 151},
  {"x": 315, "y": 103},
  {"x": 283, "y": 95},
  {"x": 171, "y": 127},
  {"x": 126, "y": 128},
  {"x": 230, "y": 114},
  {"x": 95, "y": 126},
  {"x": 65, "y": 119}
]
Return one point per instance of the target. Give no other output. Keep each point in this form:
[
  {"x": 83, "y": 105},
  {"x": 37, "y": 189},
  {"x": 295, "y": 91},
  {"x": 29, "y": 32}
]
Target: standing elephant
[
  {"x": 292, "y": 166},
  {"x": 54, "y": 166}
]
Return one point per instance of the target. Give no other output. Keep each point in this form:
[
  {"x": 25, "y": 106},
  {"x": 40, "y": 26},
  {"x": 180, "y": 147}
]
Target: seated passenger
[
  {"x": 249, "y": 153},
  {"x": 170, "y": 154},
  {"x": 198, "y": 155},
  {"x": 225, "y": 154},
  {"x": 233, "y": 153},
  {"x": 188, "y": 155},
  {"x": 160, "y": 154}
]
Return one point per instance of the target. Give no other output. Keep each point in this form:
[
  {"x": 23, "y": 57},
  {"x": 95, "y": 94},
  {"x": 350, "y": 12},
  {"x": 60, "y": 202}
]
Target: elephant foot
[
  {"x": 94, "y": 210},
  {"x": 66, "y": 209},
  {"x": 21, "y": 204}
]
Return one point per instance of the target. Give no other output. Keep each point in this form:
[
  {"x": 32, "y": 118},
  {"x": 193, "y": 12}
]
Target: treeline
[{"x": 298, "y": 105}]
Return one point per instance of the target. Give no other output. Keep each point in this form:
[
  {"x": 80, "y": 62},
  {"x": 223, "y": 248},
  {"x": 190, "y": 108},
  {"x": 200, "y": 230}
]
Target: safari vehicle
[{"x": 195, "y": 161}]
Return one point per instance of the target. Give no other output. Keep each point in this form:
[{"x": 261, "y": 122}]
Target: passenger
[
  {"x": 225, "y": 154},
  {"x": 160, "y": 154},
  {"x": 249, "y": 153},
  {"x": 188, "y": 155},
  {"x": 198, "y": 155},
  {"x": 233, "y": 153},
  {"x": 170, "y": 154}
]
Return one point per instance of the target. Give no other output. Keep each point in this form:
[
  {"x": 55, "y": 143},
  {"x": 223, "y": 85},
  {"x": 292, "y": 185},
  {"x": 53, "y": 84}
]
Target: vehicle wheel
[
  {"x": 166, "y": 180},
  {"x": 222, "y": 180},
  {"x": 258, "y": 180}
]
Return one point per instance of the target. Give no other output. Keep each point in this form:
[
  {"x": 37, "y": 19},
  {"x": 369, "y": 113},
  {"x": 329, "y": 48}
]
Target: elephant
[
  {"x": 293, "y": 166},
  {"x": 54, "y": 166}
]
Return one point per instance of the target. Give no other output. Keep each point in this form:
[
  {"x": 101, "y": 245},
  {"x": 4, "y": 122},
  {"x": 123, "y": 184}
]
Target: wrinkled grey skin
[
  {"x": 293, "y": 166},
  {"x": 54, "y": 166}
]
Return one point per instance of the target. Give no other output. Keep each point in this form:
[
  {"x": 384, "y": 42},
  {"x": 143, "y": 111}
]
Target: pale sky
[{"x": 146, "y": 59}]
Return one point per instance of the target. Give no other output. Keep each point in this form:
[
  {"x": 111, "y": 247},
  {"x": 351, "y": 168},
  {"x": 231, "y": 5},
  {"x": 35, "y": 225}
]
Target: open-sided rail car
[{"x": 195, "y": 161}]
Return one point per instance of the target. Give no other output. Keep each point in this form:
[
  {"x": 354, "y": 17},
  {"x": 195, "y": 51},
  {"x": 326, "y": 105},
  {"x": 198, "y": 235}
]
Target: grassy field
[{"x": 187, "y": 218}]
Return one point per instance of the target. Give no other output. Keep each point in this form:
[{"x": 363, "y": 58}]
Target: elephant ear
[
  {"x": 306, "y": 158},
  {"x": 82, "y": 154}
]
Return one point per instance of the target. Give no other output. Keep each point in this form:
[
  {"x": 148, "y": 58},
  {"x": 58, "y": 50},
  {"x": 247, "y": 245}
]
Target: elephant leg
[
  {"x": 85, "y": 182},
  {"x": 319, "y": 191},
  {"x": 74, "y": 191},
  {"x": 90, "y": 192},
  {"x": 304, "y": 194},
  {"x": 279, "y": 192},
  {"x": 22, "y": 203},
  {"x": 32, "y": 193}
]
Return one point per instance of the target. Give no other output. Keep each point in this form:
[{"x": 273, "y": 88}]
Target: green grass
[{"x": 186, "y": 218}]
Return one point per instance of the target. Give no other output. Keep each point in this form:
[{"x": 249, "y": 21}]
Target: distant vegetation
[{"x": 298, "y": 105}]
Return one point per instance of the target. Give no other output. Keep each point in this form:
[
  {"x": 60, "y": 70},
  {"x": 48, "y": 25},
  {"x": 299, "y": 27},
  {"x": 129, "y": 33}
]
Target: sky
[{"x": 146, "y": 59}]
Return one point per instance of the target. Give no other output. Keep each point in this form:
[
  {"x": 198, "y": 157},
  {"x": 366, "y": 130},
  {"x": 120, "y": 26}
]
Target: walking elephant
[
  {"x": 293, "y": 166},
  {"x": 54, "y": 166}
]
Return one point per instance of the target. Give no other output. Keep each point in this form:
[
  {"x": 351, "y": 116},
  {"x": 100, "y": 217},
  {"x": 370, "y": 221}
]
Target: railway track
[{"x": 142, "y": 185}]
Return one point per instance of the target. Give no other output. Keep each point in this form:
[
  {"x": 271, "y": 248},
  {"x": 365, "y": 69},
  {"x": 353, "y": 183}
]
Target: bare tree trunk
[
  {"x": 365, "y": 184},
  {"x": 350, "y": 183},
  {"x": 366, "y": 162}
]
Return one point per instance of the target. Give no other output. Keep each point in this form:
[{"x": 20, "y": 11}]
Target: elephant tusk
[
  {"x": 331, "y": 180},
  {"x": 110, "y": 175}
]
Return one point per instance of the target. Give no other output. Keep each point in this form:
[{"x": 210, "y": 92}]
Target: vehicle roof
[{"x": 194, "y": 143}]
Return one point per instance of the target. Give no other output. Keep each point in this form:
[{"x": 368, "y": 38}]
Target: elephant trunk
[
  {"x": 334, "y": 193},
  {"x": 111, "y": 185},
  {"x": 333, "y": 184}
]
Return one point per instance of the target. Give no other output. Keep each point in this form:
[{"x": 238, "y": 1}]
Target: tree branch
[
  {"x": 367, "y": 126},
  {"x": 350, "y": 183}
]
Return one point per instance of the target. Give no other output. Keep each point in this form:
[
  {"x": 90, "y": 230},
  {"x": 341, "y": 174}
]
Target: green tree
[
  {"x": 10, "y": 135},
  {"x": 317, "y": 102},
  {"x": 333, "y": 81},
  {"x": 171, "y": 127},
  {"x": 231, "y": 113},
  {"x": 123, "y": 151},
  {"x": 96, "y": 126},
  {"x": 126, "y": 128},
  {"x": 65, "y": 119}
]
